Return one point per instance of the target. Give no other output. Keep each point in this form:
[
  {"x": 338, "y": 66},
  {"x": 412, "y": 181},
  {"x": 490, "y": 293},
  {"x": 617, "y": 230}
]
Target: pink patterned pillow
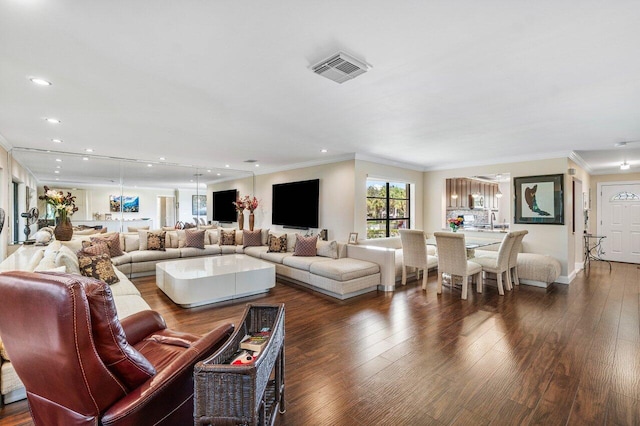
[
  {"x": 305, "y": 246},
  {"x": 252, "y": 238},
  {"x": 194, "y": 238},
  {"x": 95, "y": 248},
  {"x": 114, "y": 243}
]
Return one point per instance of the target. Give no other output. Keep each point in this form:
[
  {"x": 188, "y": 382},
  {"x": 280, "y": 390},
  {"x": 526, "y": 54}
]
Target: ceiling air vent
[{"x": 340, "y": 67}]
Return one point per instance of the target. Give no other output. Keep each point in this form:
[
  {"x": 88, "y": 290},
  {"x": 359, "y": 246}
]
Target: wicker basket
[{"x": 243, "y": 394}]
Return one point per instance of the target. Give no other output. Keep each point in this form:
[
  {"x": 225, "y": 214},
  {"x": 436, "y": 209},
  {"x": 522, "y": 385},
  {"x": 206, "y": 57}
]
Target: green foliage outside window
[{"x": 387, "y": 214}]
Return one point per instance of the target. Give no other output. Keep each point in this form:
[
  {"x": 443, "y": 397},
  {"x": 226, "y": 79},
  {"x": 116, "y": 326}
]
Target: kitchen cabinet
[{"x": 464, "y": 188}]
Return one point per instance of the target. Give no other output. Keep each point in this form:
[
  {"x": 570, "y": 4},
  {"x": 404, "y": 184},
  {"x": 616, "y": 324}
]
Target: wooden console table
[{"x": 250, "y": 394}]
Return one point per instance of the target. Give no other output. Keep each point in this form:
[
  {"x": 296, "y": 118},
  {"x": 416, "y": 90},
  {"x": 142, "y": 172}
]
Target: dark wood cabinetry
[{"x": 460, "y": 194}]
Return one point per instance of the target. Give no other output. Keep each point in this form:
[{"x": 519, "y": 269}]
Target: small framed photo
[
  {"x": 353, "y": 238},
  {"x": 107, "y": 216}
]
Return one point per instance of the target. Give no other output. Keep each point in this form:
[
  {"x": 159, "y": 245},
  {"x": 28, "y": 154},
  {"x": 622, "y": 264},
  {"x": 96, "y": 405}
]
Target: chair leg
[
  {"x": 439, "y": 282},
  {"x": 500, "y": 288},
  {"x": 465, "y": 286},
  {"x": 404, "y": 275},
  {"x": 417, "y": 274},
  {"x": 507, "y": 284},
  {"x": 516, "y": 278},
  {"x": 425, "y": 274},
  {"x": 479, "y": 281}
]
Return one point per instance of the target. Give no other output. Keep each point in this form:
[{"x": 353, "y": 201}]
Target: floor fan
[{"x": 30, "y": 217}]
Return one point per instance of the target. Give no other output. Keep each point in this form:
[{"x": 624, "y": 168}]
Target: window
[
  {"x": 388, "y": 208},
  {"x": 625, "y": 196}
]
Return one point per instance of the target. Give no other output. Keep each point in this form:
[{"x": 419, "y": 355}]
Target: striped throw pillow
[
  {"x": 194, "y": 238},
  {"x": 305, "y": 246}
]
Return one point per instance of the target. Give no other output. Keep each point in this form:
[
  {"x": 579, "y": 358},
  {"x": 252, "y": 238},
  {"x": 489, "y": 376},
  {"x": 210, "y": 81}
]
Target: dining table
[{"x": 471, "y": 244}]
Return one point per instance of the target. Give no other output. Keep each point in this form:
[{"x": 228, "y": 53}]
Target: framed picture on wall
[
  {"x": 539, "y": 199},
  {"x": 199, "y": 205}
]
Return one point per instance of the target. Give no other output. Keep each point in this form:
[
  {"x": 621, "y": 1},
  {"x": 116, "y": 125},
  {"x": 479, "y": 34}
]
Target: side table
[
  {"x": 593, "y": 251},
  {"x": 248, "y": 394}
]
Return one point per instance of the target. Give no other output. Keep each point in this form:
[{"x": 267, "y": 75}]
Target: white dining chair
[
  {"x": 414, "y": 255},
  {"x": 498, "y": 265},
  {"x": 452, "y": 260},
  {"x": 512, "y": 274}
]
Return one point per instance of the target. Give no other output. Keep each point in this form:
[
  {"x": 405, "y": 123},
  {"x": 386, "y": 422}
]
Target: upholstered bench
[{"x": 538, "y": 270}]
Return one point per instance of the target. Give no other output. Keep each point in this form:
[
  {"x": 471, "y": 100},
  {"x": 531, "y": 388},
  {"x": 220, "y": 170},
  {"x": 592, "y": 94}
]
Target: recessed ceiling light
[
  {"x": 53, "y": 120},
  {"x": 58, "y": 167},
  {"x": 56, "y": 140},
  {"x": 149, "y": 165},
  {"x": 88, "y": 150},
  {"x": 40, "y": 81},
  {"x": 56, "y": 171},
  {"x": 162, "y": 158},
  {"x": 85, "y": 158},
  {"x": 208, "y": 170},
  {"x": 625, "y": 166},
  {"x": 57, "y": 179},
  {"x": 217, "y": 174},
  {"x": 59, "y": 160},
  {"x": 257, "y": 165},
  {"x": 226, "y": 165},
  {"x": 323, "y": 151}
]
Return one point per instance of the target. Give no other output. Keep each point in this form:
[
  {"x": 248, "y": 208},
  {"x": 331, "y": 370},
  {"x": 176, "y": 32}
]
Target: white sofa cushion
[
  {"x": 344, "y": 269},
  {"x": 303, "y": 262}
]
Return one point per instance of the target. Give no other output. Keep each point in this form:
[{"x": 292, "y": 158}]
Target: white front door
[{"x": 620, "y": 222}]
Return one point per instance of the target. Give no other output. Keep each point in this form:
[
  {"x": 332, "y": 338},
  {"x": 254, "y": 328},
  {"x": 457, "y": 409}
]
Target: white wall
[
  {"x": 336, "y": 196},
  {"x": 553, "y": 240}
]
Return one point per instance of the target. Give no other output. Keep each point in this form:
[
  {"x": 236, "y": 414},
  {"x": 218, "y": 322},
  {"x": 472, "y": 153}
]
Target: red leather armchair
[{"x": 81, "y": 366}]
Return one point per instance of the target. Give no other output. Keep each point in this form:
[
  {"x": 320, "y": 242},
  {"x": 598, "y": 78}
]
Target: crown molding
[
  {"x": 293, "y": 166},
  {"x": 575, "y": 157},
  {"x": 500, "y": 160},
  {"x": 388, "y": 162}
]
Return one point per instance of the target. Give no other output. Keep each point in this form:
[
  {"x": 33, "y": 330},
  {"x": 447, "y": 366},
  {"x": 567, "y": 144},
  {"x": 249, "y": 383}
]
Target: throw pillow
[
  {"x": 99, "y": 267},
  {"x": 194, "y": 238},
  {"x": 252, "y": 238},
  {"x": 113, "y": 240},
  {"x": 305, "y": 246},
  {"x": 227, "y": 238},
  {"x": 155, "y": 240},
  {"x": 94, "y": 248},
  {"x": 68, "y": 259},
  {"x": 277, "y": 244},
  {"x": 129, "y": 365},
  {"x": 327, "y": 249}
]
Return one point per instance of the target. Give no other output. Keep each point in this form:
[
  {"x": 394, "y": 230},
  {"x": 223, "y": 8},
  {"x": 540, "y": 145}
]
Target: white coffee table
[{"x": 202, "y": 280}]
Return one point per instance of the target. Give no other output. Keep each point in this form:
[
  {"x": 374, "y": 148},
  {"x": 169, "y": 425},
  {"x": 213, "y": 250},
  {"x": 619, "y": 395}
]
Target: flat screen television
[
  {"x": 295, "y": 204},
  {"x": 223, "y": 208}
]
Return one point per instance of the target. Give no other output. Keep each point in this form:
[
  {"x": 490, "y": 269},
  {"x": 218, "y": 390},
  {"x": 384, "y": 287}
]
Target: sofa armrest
[
  {"x": 147, "y": 404},
  {"x": 385, "y": 257},
  {"x": 141, "y": 324}
]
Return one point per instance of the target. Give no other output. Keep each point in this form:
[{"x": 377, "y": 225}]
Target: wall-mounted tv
[
  {"x": 223, "y": 208},
  {"x": 295, "y": 204}
]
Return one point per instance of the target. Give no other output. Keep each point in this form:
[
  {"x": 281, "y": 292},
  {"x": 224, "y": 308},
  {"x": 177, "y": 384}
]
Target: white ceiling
[{"x": 215, "y": 83}]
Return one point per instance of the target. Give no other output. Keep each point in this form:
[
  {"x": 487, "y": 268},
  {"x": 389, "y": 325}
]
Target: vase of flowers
[
  {"x": 239, "y": 205},
  {"x": 251, "y": 204},
  {"x": 455, "y": 223},
  {"x": 64, "y": 207}
]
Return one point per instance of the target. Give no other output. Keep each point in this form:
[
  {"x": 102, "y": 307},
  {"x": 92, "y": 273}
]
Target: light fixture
[
  {"x": 149, "y": 165},
  {"x": 625, "y": 166},
  {"x": 56, "y": 140},
  {"x": 40, "y": 81},
  {"x": 498, "y": 194},
  {"x": 323, "y": 151},
  {"x": 226, "y": 165},
  {"x": 59, "y": 160},
  {"x": 162, "y": 158},
  {"x": 88, "y": 150},
  {"x": 257, "y": 165},
  {"x": 217, "y": 174},
  {"x": 85, "y": 158},
  {"x": 56, "y": 171},
  {"x": 454, "y": 196},
  {"x": 53, "y": 120},
  {"x": 477, "y": 193}
]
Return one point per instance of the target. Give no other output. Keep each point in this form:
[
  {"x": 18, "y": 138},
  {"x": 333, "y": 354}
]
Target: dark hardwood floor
[{"x": 556, "y": 356}]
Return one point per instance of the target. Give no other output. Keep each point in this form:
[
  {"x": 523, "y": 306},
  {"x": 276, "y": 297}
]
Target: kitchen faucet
[{"x": 493, "y": 218}]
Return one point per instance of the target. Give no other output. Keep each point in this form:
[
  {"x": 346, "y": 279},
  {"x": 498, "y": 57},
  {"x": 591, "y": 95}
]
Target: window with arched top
[{"x": 625, "y": 196}]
